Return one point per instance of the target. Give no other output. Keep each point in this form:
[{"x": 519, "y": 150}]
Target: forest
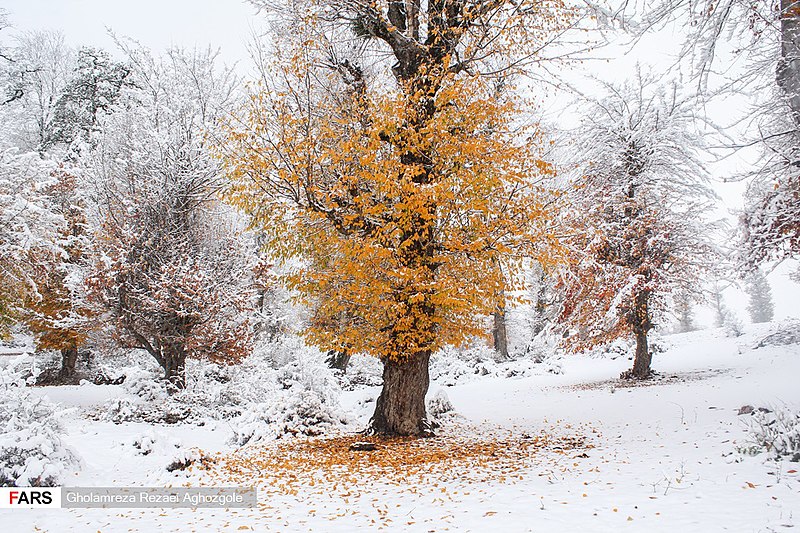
[{"x": 416, "y": 266}]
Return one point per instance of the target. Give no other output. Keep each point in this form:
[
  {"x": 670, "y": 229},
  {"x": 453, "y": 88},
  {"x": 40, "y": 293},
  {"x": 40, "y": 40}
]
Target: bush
[
  {"x": 362, "y": 371},
  {"x": 283, "y": 388},
  {"x": 304, "y": 398},
  {"x": 32, "y": 452},
  {"x": 774, "y": 431},
  {"x": 451, "y": 366}
]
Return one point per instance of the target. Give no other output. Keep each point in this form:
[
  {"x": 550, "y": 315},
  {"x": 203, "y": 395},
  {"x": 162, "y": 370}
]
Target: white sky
[
  {"x": 228, "y": 24},
  {"x": 156, "y": 24}
]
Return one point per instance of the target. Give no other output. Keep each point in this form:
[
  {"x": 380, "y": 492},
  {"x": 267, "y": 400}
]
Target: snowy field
[{"x": 558, "y": 452}]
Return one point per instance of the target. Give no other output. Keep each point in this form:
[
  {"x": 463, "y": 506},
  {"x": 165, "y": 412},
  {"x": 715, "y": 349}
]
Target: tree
[
  {"x": 172, "y": 271},
  {"x": 42, "y": 65},
  {"x": 684, "y": 311},
  {"x": 57, "y": 312},
  {"x": 10, "y": 86},
  {"x": 767, "y": 36},
  {"x": 637, "y": 219},
  {"x": 544, "y": 298},
  {"x": 722, "y": 314},
  {"x": 27, "y": 226},
  {"x": 402, "y": 199},
  {"x": 760, "y": 307},
  {"x": 499, "y": 330},
  {"x": 92, "y": 89}
]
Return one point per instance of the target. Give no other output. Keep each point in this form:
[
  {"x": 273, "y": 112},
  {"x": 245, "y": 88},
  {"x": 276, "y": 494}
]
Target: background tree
[
  {"x": 27, "y": 226},
  {"x": 722, "y": 315},
  {"x": 765, "y": 37},
  {"x": 93, "y": 88},
  {"x": 42, "y": 66},
  {"x": 408, "y": 199},
  {"x": 637, "y": 218},
  {"x": 684, "y": 312},
  {"x": 10, "y": 77},
  {"x": 760, "y": 307},
  {"x": 172, "y": 272},
  {"x": 57, "y": 312}
]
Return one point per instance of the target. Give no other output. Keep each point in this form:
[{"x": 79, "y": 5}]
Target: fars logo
[{"x": 17, "y": 497}]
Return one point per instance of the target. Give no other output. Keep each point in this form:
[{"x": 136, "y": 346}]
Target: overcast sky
[{"x": 157, "y": 24}]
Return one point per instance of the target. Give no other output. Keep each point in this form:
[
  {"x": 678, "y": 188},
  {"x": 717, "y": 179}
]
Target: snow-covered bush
[
  {"x": 774, "y": 431},
  {"x": 32, "y": 452},
  {"x": 303, "y": 401},
  {"x": 612, "y": 350},
  {"x": 440, "y": 408},
  {"x": 283, "y": 388},
  {"x": 152, "y": 441},
  {"x": 787, "y": 332},
  {"x": 146, "y": 398},
  {"x": 450, "y": 365},
  {"x": 20, "y": 371},
  {"x": 733, "y": 326}
]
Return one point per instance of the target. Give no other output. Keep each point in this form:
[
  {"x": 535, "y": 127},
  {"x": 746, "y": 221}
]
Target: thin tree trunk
[
  {"x": 499, "y": 333},
  {"x": 69, "y": 357},
  {"x": 788, "y": 72},
  {"x": 400, "y": 409}
]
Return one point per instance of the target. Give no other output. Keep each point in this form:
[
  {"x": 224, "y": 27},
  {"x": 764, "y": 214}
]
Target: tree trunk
[
  {"x": 338, "y": 360},
  {"x": 641, "y": 325},
  {"x": 400, "y": 409},
  {"x": 641, "y": 363},
  {"x": 69, "y": 357},
  {"x": 540, "y": 309},
  {"x": 175, "y": 370},
  {"x": 788, "y": 72},
  {"x": 499, "y": 333}
]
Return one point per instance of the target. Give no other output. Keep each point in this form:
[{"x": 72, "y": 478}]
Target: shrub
[{"x": 32, "y": 452}]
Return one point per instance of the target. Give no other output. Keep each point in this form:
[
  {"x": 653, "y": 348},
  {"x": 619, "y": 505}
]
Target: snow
[{"x": 662, "y": 457}]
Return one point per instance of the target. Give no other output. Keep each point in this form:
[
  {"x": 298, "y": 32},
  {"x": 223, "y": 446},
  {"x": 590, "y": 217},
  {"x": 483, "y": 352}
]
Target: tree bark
[
  {"x": 788, "y": 72},
  {"x": 69, "y": 357},
  {"x": 642, "y": 360},
  {"x": 641, "y": 325},
  {"x": 174, "y": 364},
  {"x": 338, "y": 360},
  {"x": 400, "y": 409},
  {"x": 499, "y": 334}
]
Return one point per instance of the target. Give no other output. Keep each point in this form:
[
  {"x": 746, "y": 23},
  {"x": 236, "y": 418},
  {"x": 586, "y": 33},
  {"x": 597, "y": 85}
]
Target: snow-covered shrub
[
  {"x": 152, "y": 441},
  {"x": 145, "y": 398},
  {"x": 733, "y": 326},
  {"x": 32, "y": 452},
  {"x": 120, "y": 410},
  {"x": 304, "y": 399},
  {"x": 185, "y": 457},
  {"x": 450, "y": 365},
  {"x": 622, "y": 347},
  {"x": 440, "y": 407},
  {"x": 144, "y": 385},
  {"x": 20, "y": 371},
  {"x": 282, "y": 388},
  {"x": 787, "y": 333},
  {"x": 774, "y": 431}
]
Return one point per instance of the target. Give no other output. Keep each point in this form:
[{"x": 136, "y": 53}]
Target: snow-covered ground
[{"x": 661, "y": 457}]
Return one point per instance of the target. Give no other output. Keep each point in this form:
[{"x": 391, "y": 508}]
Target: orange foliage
[
  {"x": 401, "y": 205},
  {"x": 52, "y": 312}
]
